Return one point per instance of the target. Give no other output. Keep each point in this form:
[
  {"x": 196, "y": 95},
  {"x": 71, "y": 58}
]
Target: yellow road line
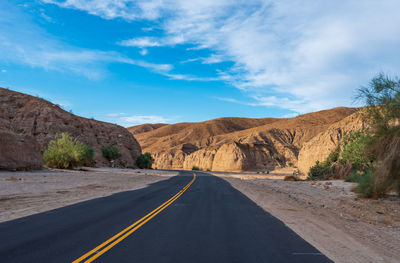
[{"x": 99, "y": 250}]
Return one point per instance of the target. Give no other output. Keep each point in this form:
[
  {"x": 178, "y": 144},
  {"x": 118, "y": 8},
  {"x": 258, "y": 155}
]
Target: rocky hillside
[
  {"x": 28, "y": 123},
  {"x": 320, "y": 146},
  {"x": 145, "y": 127},
  {"x": 237, "y": 144}
]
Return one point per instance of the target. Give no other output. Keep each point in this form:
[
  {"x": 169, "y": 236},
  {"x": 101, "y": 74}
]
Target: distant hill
[
  {"x": 237, "y": 144},
  {"x": 28, "y": 123},
  {"x": 145, "y": 127}
]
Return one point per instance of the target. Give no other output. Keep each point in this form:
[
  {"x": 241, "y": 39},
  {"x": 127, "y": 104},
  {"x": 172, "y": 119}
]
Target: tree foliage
[
  {"x": 355, "y": 150},
  {"x": 382, "y": 98},
  {"x": 144, "y": 161}
]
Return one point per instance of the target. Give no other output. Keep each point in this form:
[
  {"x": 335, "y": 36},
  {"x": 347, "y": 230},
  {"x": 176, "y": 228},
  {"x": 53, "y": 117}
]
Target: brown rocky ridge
[
  {"x": 28, "y": 123},
  {"x": 145, "y": 127},
  {"x": 240, "y": 144}
]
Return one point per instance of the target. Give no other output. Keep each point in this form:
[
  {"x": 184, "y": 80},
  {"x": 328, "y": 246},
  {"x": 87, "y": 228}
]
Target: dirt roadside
[
  {"x": 27, "y": 193},
  {"x": 330, "y": 216}
]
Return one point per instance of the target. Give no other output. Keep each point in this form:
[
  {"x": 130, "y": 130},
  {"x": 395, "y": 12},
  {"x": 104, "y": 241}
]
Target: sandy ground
[
  {"x": 329, "y": 216},
  {"x": 26, "y": 193}
]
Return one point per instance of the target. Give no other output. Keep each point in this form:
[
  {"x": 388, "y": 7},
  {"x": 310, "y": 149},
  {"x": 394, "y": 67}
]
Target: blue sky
[{"x": 132, "y": 62}]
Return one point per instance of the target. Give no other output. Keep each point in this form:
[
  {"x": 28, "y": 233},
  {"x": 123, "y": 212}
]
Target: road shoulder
[
  {"x": 27, "y": 193},
  {"x": 330, "y": 217}
]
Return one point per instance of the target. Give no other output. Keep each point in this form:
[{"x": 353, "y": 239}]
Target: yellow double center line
[{"x": 111, "y": 242}]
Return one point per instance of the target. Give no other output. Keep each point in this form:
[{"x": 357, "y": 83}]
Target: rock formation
[
  {"x": 29, "y": 123},
  {"x": 237, "y": 144},
  {"x": 19, "y": 152},
  {"x": 319, "y": 147}
]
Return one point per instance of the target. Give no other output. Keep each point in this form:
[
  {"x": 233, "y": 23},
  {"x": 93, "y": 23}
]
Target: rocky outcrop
[
  {"x": 19, "y": 152},
  {"x": 237, "y": 144},
  {"x": 26, "y": 115},
  {"x": 319, "y": 147}
]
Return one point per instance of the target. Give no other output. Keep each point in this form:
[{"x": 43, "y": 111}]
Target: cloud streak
[
  {"x": 141, "y": 119},
  {"x": 314, "y": 52}
]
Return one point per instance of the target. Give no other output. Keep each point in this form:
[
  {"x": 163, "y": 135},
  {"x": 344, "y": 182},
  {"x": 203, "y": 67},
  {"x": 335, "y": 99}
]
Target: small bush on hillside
[
  {"x": 319, "y": 171},
  {"x": 322, "y": 171},
  {"x": 144, "y": 161},
  {"x": 85, "y": 153},
  {"x": 277, "y": 156},
  {"x": 332, "y": 157},
  {"x": 195, "y": 168},
  {"x": 110, "y": 152},
  {"x": 354, "y": 151},
  {"x": 66, "y": 153}
]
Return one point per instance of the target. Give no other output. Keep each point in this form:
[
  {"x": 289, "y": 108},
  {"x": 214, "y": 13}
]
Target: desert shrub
[
  {"x": 85, "y": 153},
  {"x": 110, "y": 152},
  {"x": 365, "y": 186},
  {"x": 66, "y": 153},
  {"x": 319, "y": 171},
  {"x": 195, "y": 168},
  {"x": 382, "y": 114},
  {"x": 277, "y": 156},
  {"x": 332, "y": 157},
  {"x": 353, "y": 177},
  {"x": 365, "y": 182},
  {"x": 144, "y": 161},
  {"x": 355, "y": 152},
  {"x": 290, "y": 164}
]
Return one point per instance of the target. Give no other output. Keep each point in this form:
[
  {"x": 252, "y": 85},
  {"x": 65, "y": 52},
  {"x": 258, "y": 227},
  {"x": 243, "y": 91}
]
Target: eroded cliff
[
  {"x": 237, "y": 144},
  {"x": 30, "y": 123}
]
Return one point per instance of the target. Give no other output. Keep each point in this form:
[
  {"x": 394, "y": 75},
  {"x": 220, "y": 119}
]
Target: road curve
[{"x": 209, "y": 222}]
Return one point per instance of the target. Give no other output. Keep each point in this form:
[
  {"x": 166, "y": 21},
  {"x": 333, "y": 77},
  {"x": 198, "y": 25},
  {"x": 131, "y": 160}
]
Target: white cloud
[
  {"x": 213, "y": 59},
  {"x": 190, "y": 60},
  {"x": 232, "y": 100},
  {"x": 316, "y": 52},
  {"x": 290, "y": 115},
  {"x": 143, "y": 52},
  {"x": 22, "y": 42},
  {"x": 114, "y": 115},
  {"x": 141, "y": 119},
  {"x": 3, "y": 71},
  {"x": 140, "y": 42}
]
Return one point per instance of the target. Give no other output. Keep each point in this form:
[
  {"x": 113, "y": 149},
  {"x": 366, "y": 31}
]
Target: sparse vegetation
[
  {"x": 372, "y": 154},
  {"x": 354, "y": 150},
  {"x": 66, "y": 153},
  {"x": 144, "y": 161},
  {"x": 382, "y": 97},
  {"x": 319, "y": 171},
  {"x": 195, "y": 168},
  {"x": 110, "y": 152},
  {"x": 277, "y": 156}
]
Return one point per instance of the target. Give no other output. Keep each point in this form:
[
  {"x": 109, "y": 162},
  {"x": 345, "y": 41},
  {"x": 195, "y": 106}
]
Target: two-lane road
[{"x": 182, "y": 219}]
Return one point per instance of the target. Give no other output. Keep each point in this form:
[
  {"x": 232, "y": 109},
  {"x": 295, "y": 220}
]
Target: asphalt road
[{"x": 209, "y": 222}]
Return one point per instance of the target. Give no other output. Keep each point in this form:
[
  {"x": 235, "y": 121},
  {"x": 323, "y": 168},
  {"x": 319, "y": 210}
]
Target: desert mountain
[
  {"x": 145, "y": 127},
  {"x": 237, "y": 144},
  {"x": 28, "y": 123}
]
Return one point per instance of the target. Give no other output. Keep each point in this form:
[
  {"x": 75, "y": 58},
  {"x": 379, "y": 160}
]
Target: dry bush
[
  {"x": 387, "y": 175},
  {"x": 341, "y": 171}
]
